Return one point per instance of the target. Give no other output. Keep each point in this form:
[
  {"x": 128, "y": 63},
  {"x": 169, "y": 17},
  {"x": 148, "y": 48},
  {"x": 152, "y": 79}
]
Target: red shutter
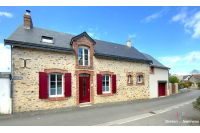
[
  {"x": 99, "y": 84},
  {"x": 114, "y": 84},
  {"x": 43, "y": 89},
  {"x": 67, "y": 84}
]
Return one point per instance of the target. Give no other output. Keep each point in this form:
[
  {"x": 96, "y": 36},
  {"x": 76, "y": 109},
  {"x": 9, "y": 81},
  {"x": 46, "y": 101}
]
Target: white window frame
[
  {"x": 105, "y": 84},
  {"x": 83, "y": 47},
  {"x": 57, "y": 95},
  {"x": 139, "y": 79},
  {"x": 129, "y": 78}
]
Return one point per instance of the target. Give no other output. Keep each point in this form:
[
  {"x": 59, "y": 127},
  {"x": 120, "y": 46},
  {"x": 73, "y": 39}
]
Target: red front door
[
  {"x": 161, "y": 89},
  {"x": 84, "y": 89}
]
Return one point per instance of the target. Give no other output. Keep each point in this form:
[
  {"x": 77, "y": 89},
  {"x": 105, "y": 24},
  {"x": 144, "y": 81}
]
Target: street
[{"x": 148, "y": 112}]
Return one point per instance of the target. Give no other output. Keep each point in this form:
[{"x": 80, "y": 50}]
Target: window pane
[
  {"x": 86, "y": 63},
  {"x": 107, "y": 88},
  {"x": 53, "y": 77},
  {"x": 107, "y": 78},
  {"x": 86, "y": 51},
  {"x": 107, "y": 83},
  {"x": 52, "y": 85},
  {"x": 103, "y": 83},
  {"x": 59, "y": 90},
  {"x": 53, "y": 91},
  {"x": 104, "y": 78},
  {"x": 80, "y": 62},
  {"x": 59, "y": 84},
  {"x": 103, "y": 88},
  {"x": 86, "y": 57},
  {"x": 59, "y": 77}
]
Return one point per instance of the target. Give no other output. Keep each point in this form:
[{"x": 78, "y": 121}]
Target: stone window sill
[
  {"x": 129, "y": 84},
  {"x": 106, "y": 94},
  {"x": 55, "y": 99}
]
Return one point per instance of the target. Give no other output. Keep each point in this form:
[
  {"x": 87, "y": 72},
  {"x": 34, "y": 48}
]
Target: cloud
[
  {"x": 192, "y": 57},
  {"x": 191, "y": 24},
  {"x": 90, "y": 34},
  {"x": 7, "y": 14},
  {"x": 5, "y": 58},
  {"x": 131, "y": 36},
  {"x": 153, "y": 16}
]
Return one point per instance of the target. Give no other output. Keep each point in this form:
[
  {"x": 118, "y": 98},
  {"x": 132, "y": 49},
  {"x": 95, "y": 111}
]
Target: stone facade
[{"x": 26, "y": 78}]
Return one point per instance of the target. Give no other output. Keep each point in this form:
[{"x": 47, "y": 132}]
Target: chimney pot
[{"x": 129, "y": 43}]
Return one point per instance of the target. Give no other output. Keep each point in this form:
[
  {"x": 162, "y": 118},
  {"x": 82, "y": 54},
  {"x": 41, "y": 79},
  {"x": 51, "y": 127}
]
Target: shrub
[
  {"x": 196, "y": 104},
  {"x": 173, "y": 79},
  {"x": 190, "y": 83},
  {"x": 198, "y": 83}
]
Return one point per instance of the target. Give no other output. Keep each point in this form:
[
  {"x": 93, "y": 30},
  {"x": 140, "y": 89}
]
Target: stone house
[
  {"x": 53, "y": 70},
  {"x": 194, "y": 79}
]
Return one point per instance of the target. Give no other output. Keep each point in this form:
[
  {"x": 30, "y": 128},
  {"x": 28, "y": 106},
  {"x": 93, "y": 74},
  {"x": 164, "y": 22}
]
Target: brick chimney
[
  {"x": 129, "y": 43},
  {"x": 28, "y": 24}
]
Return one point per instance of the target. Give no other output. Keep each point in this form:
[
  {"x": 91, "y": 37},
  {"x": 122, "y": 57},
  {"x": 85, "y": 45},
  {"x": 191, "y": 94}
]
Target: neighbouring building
[
  {"x": 158, "y": 78},
  {"x": 52, "y": 70}
]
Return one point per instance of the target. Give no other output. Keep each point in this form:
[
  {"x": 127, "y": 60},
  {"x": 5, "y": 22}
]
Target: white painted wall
[
  {"x": 159, "y": 74},
  {"x": 5, "y": 100}
]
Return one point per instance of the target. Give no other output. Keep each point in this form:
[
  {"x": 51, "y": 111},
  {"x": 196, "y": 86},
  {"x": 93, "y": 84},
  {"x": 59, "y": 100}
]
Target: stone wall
[
  {"x": 26, "y": 79},
  {"x": 120, "y": 69}
]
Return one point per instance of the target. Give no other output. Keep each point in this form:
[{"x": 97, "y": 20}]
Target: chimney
[
  {"x": 28, "y": 24},
  {"x": 129, "y": 43}
]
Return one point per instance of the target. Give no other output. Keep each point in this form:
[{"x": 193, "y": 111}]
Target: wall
[
  {"x": 120, "y": 68},
  {"x": 5, "y": 100},
  {"x": 26, "y": 80},
  {"x": 170, "y": 88},
  {"x": 159, "y": 75}
]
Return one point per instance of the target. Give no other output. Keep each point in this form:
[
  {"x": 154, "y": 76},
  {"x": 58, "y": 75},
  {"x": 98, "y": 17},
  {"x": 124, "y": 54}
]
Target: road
[{"x": 137, "y": 112}]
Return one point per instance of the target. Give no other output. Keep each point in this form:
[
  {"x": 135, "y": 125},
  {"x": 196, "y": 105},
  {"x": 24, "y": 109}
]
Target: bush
[
  {"x": 190, "y": 83},
  {"x": 198, "y": 83},
  {"x": 196, "y": 104},
  {"x": 173, "y": 79},
  {"x": 186, "y": 85}
]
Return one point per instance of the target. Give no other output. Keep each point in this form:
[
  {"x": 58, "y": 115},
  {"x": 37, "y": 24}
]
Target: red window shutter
[
  {"x": 67, "y": 84},
  {"x": 114, "y": 84},
  {"x": 43, "y": 87},
  {"x": 99, "y": 84}
]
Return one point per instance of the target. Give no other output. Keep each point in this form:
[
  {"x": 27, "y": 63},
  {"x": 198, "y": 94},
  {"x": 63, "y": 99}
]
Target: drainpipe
[{"x": 11, "y": 91}]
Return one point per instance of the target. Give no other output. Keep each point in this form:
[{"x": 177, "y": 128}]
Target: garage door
[{"x": 161, "y": 89}]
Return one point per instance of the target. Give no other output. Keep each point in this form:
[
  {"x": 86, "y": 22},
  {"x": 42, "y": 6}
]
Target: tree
[
  {"x": 173, "y": 79},
  {"x": 195, "y": 72}
]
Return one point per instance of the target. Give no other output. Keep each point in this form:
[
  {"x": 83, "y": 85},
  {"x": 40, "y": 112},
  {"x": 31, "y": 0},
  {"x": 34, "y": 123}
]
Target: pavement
[{"x": 108, "y": 112}]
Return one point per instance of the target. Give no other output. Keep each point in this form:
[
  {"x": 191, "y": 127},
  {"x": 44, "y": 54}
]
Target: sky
[{"x": 170, "y": 34}]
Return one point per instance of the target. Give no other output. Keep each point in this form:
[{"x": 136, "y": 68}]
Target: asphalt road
[{"x": 136, "y": 112}]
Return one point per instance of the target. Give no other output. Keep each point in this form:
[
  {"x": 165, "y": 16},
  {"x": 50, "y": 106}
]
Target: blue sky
[{"x": 169, "y": 34}]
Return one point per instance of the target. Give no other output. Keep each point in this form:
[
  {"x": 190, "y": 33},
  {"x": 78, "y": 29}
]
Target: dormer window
[
  {"x": 47, "y": 39},
  {"x": 83, "y": 56}
]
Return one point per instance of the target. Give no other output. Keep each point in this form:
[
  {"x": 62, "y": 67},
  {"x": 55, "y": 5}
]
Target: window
[
  {"x": 83, "y": 56},
  {"x": 129, "y": 78},
  {"x": 106, "y": 83},
  {"x": 47, "y": 39},
  {"x": 151, "y": 70},
  {"x": 139, "y": 78},
  {"x": 55, "y": 85}
]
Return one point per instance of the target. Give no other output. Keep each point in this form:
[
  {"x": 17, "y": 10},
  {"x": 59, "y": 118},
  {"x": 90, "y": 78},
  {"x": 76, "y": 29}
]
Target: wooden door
[
  {"x": 161, "y": 89},
  {"x": 84, "y": 89},
  {"x": 173, "y": 89}
]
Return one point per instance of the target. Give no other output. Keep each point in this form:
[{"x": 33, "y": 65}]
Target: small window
[
  {"x": 139, "y": 79},
  {"x": 47, "y": 39},
  {"x": 106, "y": 83},
  {"x": 129, "y": 78},
  {"x": 55, "y": 85},
  {"x": 83, "y": 56}
]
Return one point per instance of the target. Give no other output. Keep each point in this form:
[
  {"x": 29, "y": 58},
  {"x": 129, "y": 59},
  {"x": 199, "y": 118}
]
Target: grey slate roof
[
  {"x": 32, "y": 38},
  {"x": 155, "y": 62}
]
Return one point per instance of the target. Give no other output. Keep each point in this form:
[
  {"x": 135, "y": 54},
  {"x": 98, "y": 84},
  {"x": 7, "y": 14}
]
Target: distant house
[
  {"x": 183, "y": 78},
  {"x": 194, "y": 79},
  {"x": 51, "y": 70},
  {"x": 158, "y": 78}
]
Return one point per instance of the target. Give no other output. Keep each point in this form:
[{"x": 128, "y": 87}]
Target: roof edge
[
  {"x": 37, "y": 46},
  {"x": 121, "y": 58},
  {"x": 80, "y": 35}
]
